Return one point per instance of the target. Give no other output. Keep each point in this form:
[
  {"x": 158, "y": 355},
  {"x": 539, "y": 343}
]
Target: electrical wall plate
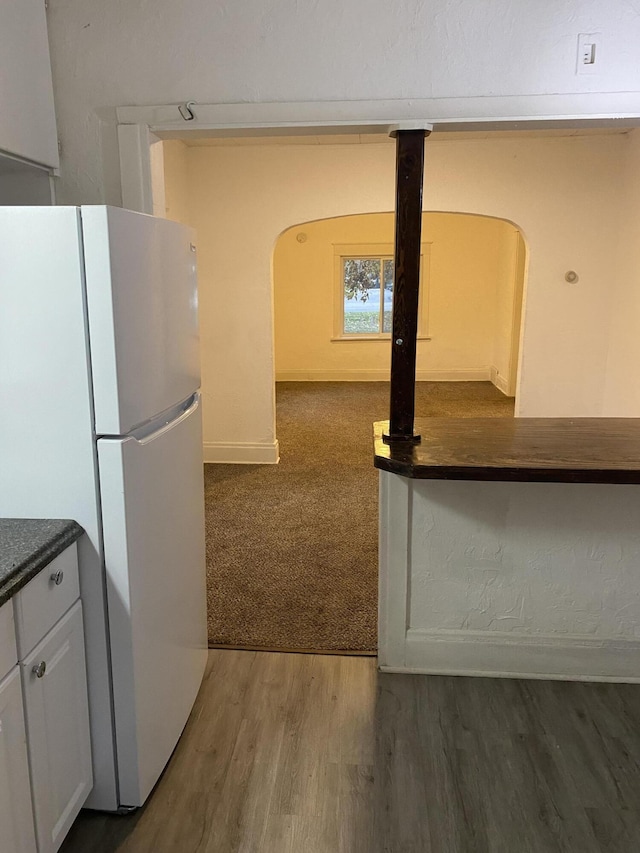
[{"x": 588, "y": 58}]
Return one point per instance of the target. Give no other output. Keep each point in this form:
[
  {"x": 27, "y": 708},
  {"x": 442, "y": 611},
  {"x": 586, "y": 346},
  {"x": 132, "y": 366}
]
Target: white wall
[
  {"x": 107, "y": 54},
  {"x": 623, "y": 368},
  {"x": 242, "y": 198},
  {"x": 532, "y": 579},
  {"x": 467, "y": 294}
]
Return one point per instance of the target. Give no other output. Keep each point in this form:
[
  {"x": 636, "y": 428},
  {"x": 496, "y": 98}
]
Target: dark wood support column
[{"x": 406, "y": 282}]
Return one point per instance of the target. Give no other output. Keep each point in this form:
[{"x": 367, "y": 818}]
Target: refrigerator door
[
  {"x": 142, "y": 313},
  {"x": 151, "y": 485}
]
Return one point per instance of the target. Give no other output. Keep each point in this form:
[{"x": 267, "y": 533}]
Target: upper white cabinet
[{"x": 27, "y": 117}]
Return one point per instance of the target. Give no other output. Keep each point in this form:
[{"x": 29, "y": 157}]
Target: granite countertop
[
  {"x": 543, "y": 450},
  {"x": 27, "y": 545}
]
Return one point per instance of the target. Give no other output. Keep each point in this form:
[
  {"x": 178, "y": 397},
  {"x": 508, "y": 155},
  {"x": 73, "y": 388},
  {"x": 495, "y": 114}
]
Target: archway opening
[
  {"x": 294, "y": 546},
  {"x": 333, "y": 283}
]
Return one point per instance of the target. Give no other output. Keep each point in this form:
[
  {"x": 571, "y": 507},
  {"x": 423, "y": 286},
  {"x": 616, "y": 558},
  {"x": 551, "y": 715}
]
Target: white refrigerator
[{"x": 100, "y": 421}]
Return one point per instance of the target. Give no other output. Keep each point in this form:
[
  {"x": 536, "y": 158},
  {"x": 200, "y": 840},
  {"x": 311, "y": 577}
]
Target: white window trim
[{"x": 376, "y": 250}]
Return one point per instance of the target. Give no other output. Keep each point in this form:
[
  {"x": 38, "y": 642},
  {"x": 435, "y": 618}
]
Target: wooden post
[{"x": 406, "y": 283}]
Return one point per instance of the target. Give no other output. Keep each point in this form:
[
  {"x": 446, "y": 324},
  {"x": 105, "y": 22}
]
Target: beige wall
[
  {"x": 242, "y": 198},
  {"x": 176, "y": 182},
  {"x": 467, "y": 299}
]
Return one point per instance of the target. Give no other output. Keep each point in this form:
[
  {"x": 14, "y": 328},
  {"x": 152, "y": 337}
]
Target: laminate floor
[{"x": 289, "y": 753}]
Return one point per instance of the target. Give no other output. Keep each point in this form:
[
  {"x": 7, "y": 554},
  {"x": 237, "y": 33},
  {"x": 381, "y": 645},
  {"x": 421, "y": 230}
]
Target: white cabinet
[
  {"x": 45, "y": 747},
  {"x": 55, "y": 691},
  {"x": 27, "y": 117},
  {"x": 16, "y": 817}
]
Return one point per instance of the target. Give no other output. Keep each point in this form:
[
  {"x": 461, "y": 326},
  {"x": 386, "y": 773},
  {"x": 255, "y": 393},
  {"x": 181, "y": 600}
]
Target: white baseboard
[
  {"x": 241, "y": 453},
  {"x": 471, "y": 374},
  {"x": 483, "y": 653},
  {"x": 500, "y": 382}
]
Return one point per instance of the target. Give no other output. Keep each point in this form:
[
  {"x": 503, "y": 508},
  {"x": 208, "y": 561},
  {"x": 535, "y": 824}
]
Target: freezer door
[
  {"x": 152, "y": 505},
  {"x": 142, "y": 312}
]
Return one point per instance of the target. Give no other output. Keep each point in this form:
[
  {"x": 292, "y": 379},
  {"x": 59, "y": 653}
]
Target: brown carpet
[{"x": 292, "y": 548}]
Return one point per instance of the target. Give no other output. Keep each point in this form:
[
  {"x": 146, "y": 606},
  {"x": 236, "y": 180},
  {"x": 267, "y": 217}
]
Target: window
[
  {"x": 364, "y": 292},
  {"x": 367, "y": 285}
]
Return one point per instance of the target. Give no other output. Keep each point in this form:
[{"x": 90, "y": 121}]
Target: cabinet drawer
[
  {"x": 8, "y": 651},
  {"x": 45, "y": 599}
]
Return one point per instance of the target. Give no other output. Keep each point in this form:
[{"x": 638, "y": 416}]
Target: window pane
[
  {"x": 361, "y": 296},
  {"x": 388, "y": 294}
]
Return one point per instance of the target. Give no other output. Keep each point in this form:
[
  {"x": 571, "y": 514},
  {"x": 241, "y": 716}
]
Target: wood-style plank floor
[{"x": 290, "y": 753}]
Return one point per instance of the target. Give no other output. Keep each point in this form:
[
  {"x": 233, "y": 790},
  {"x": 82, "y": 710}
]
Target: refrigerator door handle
[{"x": 149, "y": 432}]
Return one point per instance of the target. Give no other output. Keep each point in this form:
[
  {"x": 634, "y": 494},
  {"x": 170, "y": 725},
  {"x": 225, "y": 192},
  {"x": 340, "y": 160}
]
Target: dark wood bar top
[{"x": 545, "y": 450}]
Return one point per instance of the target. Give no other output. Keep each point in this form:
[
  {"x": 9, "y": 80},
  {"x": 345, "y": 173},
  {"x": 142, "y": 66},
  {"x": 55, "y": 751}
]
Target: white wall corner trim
[
  {"x": 485, "y": 653},
  {"x": 242, "y": 453},
  {"x": 134, "y": 141},
  {"x": 372, "y": 115},
  {"x": 393, "y": 549}
]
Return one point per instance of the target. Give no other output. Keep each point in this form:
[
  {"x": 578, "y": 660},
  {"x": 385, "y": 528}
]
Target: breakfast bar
[{"x": 511, "y": 547}]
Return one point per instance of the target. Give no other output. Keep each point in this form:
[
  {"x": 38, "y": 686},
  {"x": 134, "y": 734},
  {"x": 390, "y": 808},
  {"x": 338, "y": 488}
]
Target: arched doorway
[{"x": 333, "y": 280}]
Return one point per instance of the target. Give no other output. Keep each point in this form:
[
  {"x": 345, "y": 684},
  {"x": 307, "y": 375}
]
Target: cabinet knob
[
  {"x": 57, "y": 578},
  {"x": 39, "y": 669}
]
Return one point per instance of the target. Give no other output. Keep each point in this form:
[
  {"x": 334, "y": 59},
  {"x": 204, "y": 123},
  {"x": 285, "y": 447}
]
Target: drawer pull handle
[
  {"x": 39, "y": 669},
  {"x": 57, "y": 578}
]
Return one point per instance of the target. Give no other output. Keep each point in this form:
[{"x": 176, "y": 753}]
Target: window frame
[{"x": 376, "y": 251}]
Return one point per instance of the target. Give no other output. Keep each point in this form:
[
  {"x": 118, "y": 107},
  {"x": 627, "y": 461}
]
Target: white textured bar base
[{"x": 517, "y": 580}]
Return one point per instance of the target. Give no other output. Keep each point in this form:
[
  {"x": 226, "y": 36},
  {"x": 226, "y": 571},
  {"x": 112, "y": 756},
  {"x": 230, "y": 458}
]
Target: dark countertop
[
  {"x": 546, "y": 450},
  {"x": 27, "y": 545}
]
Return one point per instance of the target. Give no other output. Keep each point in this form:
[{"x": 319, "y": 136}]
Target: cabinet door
[
  {"x": 16, "y": 815},
  {"x": 27, "y": 118},
  {"x": 55, "y": 690}
]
